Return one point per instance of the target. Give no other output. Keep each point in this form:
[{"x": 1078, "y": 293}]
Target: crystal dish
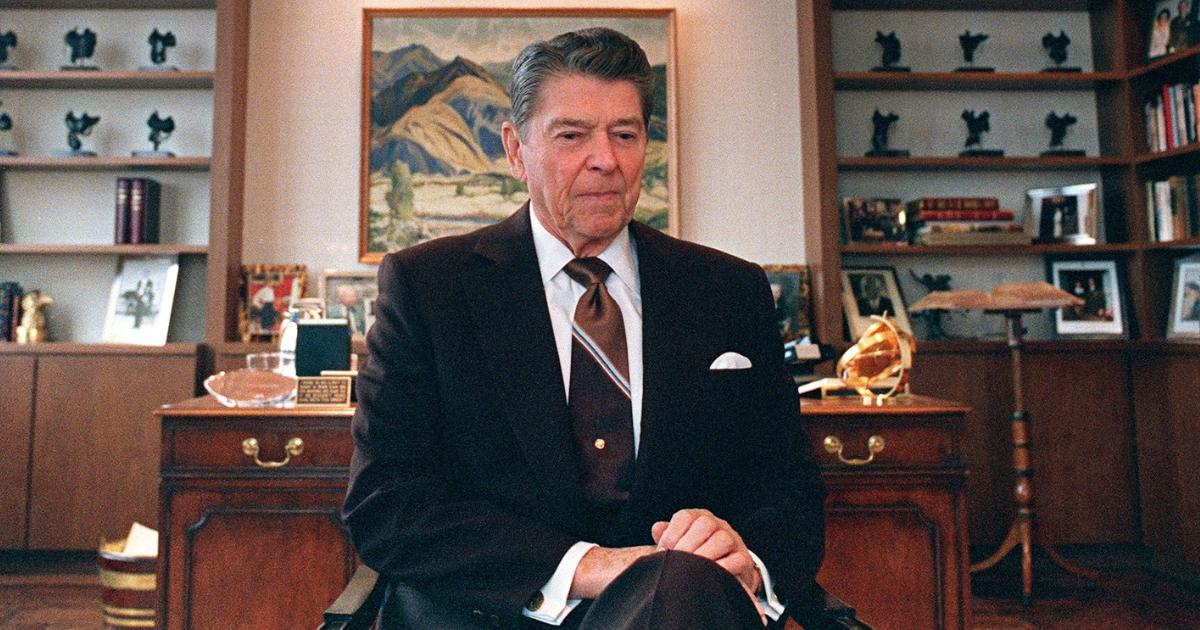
[{"x": 251, "y": 388}]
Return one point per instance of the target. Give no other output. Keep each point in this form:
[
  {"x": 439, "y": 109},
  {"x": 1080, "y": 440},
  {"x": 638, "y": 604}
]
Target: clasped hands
[{"x": 695, "y": 531}]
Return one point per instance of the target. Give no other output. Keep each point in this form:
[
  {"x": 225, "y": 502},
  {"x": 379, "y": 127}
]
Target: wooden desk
[
  {"x": 247, "y": 547},
  {"x": 896, "y": 530}
]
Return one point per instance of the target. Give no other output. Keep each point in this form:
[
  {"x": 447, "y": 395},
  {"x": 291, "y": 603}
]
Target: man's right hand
[{"x": 601, "y": 565}]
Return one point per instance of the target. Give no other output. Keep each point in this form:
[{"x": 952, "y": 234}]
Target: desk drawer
[
  {"x": 230, "y": 447},
  {"x": 914, "y": 444}
]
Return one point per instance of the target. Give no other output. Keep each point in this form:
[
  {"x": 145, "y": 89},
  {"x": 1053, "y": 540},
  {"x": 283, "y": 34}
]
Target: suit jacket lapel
[{"x": 513, "y": 331}]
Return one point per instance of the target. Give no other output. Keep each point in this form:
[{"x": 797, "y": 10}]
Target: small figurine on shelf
[
  {"x": 6, "y": 125},
  {"x": 933, "y": 317},
  {"x": 159, "y": 43},
  {"x": 83, "y": 46},
  {"x": 160, "y": 130},
  {"x": 1057, "y": 46},
  {"x": 76, "y": 128},
  {"x": 977, "y": 124},
  {"x": 879, "y": 138},
  {"x": 1058, "y": 126},
  {"x": 32, "y": 328},
  {"x": 970, "y": 43},
  {"x": 7, "y": 40},
  {"x": 891, "y": 53}
]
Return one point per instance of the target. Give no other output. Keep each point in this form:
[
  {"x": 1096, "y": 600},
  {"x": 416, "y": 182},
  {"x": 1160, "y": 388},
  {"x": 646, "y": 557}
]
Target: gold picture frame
[{"x": 278, "y": 285}]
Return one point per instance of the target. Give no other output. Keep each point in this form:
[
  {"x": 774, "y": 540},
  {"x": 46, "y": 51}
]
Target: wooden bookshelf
[
  {"x": 106, "y": 79},
  {"x": 103, "y": 163}
]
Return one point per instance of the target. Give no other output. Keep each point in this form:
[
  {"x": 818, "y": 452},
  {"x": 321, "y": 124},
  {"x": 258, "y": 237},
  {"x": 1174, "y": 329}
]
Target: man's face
[{"x": 582, "y": 156}]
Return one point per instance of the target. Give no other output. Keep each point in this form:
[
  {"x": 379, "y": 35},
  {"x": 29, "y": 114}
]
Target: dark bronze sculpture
[
  {"x": 78, "y": 127},
  {"x": 83, "y": 46},
  {"x": 1058, "y": 132},
  {"x": 891, "y": 53},
  {"x": 7, "y": 40},
  {"x": 970, "y": 43},
  {"x": 160, "y": 129},
  {"x": 977, "y": 124},
  {"x": 933, "y": 317},
  {"x": 879, "y": 138},
  {"x": 1056, "y": 45},
  {"x": 6, "y": 125},
  {"x": 159, "y": 43}
]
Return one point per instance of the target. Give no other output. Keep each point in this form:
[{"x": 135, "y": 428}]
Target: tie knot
[{"x": 588, "y": 271}]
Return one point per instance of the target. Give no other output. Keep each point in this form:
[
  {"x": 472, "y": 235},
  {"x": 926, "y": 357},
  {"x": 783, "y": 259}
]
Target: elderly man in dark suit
[{"x": 570, "y": 419}]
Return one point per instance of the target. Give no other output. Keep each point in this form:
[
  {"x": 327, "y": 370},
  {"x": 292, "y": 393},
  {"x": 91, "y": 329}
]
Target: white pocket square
[{"x": 730, "y": 361}]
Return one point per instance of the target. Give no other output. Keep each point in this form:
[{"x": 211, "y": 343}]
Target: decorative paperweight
[
  {"x": 160, "y": 130},
  {"x": 1058, "y": 126},
  {"x": 977, "y": 124},
  {"x": 7, "y": 40},
  {"x": 891, "y": 53},
  {"x": 879, "y": 137},
  {"x": 970, "y": 43},
  {"x": 1056, "y": 46},
  {"x": 159, "y": 43},
  {"x": 83, "y": 46},
  {"x": 78, "y": 127}
]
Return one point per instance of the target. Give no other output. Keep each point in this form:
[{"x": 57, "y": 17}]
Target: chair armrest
[
  {"x": 358, "y": 605},
  {"x": 823, "y": 611}
]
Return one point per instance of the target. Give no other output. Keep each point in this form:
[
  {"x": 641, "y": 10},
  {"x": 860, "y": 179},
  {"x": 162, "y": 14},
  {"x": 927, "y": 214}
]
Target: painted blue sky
[{"x": 490, "y": 40}]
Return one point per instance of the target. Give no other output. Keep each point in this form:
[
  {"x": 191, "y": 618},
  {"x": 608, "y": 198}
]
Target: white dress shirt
[{"x": 562, "y": 294}]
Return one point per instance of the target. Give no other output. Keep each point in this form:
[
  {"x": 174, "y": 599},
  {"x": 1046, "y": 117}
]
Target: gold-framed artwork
[
  {"x": 268, "y": 291},
  {"x": 435, "y": 94},
  {"x": 791, "y": 290}
]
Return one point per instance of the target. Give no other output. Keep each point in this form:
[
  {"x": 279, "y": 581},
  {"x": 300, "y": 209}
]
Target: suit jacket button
[
  {"x": 478, "y": 614},
  {"x": 494, "y": 621},
  {"x": 535, "y": 602}
]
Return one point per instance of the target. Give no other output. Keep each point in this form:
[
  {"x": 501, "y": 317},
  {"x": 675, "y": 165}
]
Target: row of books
[
  {"x": 1173, "y": 207},
  {"x": 10, "y": 310},
  {"x": 137, "y": 210},
  {"x": 933, "y": 221},
  {"x": 1171, "y": 116}
]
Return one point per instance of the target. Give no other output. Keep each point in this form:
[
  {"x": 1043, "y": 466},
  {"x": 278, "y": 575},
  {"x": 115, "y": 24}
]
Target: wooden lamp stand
[{"x": 1024, "y": 529}]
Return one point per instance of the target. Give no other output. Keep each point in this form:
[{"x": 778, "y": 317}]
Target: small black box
[{"x": 322, "y": 344}]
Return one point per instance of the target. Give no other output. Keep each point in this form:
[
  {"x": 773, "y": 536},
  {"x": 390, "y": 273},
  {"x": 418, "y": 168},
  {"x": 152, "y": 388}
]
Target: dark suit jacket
[{"x": 465, "y": 481}]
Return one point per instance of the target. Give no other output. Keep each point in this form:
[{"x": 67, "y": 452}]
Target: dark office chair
[{"x": 358, "y": 606}]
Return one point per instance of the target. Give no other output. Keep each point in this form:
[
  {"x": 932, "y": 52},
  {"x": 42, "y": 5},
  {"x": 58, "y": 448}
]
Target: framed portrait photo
[
  {"x": 1172, "y": 27},
  {"x": 350, "y": 294},
  {"x": 793, "y": 302},
  {"x": 1063, "y": 214},
  {"x": 435, "y": 93},
  {"x": 268, "y": 291},
  {"x": 140, "y": 301},
  {"x": 1183, "y": 322},
  {"x": 868, "y": 291},
  {"x": 1099, "y": 284}
]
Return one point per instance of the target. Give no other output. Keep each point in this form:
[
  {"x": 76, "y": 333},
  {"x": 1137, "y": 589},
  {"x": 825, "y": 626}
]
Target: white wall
[{"x": 739, "y": 145}]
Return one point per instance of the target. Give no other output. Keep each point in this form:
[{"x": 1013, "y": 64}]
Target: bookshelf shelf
[
  {"x": 104, "y": 163},
  {"x": 111, "y": 4},
  {"x": 985, "y": 250},
  {"x": 1151, "y": 69},
  {"x": 973, "y": 81},
  {"x": 1188, "y": 150},
  {"x": 106, "y": 79},
  {"x": 1026, "y": 163},
  {"x": 100, "y": 250}
]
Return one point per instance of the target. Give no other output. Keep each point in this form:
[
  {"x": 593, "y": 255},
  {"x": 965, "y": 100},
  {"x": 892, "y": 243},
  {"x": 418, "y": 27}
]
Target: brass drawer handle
[
  {"x": 294, "y": 447},
  {"x": 834, "y": 446}
]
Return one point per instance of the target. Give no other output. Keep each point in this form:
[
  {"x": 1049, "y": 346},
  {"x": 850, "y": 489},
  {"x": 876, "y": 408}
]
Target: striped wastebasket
[{"x": 127, "y": 588}]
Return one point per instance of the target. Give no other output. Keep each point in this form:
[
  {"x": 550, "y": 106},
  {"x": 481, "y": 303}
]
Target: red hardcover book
[
  {"x": 1169, "y": 115},
  {"x": 967, "y": 215},
  {"x": 121, "y": 210},
  {"x": 144, "y": 200}
]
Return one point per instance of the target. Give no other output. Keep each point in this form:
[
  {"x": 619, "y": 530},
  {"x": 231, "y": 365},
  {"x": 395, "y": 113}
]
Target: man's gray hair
[{"x": 599, "y": 52}]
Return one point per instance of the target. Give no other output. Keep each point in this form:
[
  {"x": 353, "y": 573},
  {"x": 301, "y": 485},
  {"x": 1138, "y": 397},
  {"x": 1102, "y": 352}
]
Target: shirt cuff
[
  {"x": 550, "y": 605},
  {"x": 768, "y": 599}
]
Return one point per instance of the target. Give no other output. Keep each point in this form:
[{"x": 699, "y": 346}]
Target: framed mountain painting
[{"x": 435, "y": 94}]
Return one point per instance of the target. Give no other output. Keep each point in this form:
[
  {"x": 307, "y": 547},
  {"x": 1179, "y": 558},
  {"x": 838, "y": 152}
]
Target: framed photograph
[
  {"x": 435, "y": 93},
  {"x": 1099, "y": 284},
  {"x": 1184, "y": 319},
  {"x": 868, "y": 291},
  {"x": 873, "y": 220},
  {"x": 268, "y": 291},
  {"x": 350, "y": 294},
  {"x": 793, "y": 302},
  {"x": 1173, "y": 27},
  {"x": 1064, "y": 214},
  {"x": 139, "y": 303}
]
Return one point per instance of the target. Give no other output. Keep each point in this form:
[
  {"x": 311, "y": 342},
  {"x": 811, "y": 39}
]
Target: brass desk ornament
[{"x": 884, "y": 351}]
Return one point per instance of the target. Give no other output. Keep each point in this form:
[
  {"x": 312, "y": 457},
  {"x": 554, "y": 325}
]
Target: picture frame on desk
[
  {"x": 868, "y": 291},
  {"x": 1183, "y": 322},
  {"x": 793, "y": 300},
  {"x": 875, "y": 220},
  {"x": 268, "y": 291},
  {"x": 1100, "y": 283},
  {"x": 140, "y": 301},
  {"x": 1063, "y": 214},
  {"x": 352, "y": 295},
  {"x": 432, "y": 164}
]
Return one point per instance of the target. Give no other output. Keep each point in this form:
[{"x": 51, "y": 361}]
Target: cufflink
[{"x": 535, "y": 602}]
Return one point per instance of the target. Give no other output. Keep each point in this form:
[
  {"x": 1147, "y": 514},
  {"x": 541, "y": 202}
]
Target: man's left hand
[{"x": 700, "y": 532}]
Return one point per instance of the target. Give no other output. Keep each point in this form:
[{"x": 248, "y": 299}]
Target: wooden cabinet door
[
  {"x": 16, "y": 418},
  {"x": 96, "y": 444},
  {"x": 262, "y": 557}
]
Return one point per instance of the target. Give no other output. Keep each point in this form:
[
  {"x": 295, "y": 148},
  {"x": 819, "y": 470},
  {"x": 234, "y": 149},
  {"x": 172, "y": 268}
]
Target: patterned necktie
[{"x": 601, "y": 411}]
